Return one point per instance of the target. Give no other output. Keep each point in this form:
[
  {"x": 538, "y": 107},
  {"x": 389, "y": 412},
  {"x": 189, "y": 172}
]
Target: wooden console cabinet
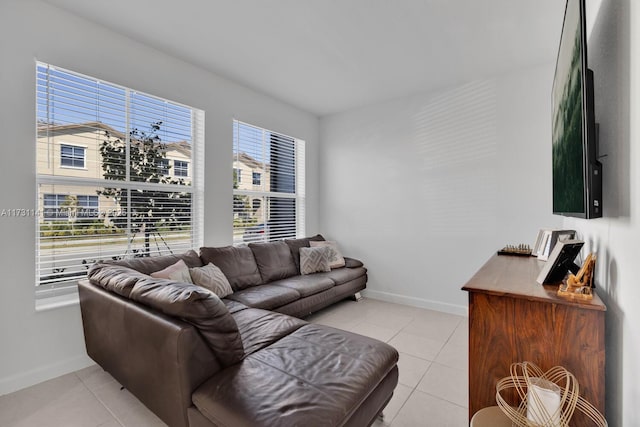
[{"x": 512, "y": 318}]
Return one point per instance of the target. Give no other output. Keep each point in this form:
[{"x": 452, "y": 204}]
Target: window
[
  {"x": 53, "y": 206},
  {"x": 163, "y": 166},
  {"x": 124, "y": 203},
  {"x": 71, "y": 156},
  {"x": 180, "y": 168},
  {"x": 237, "y": 177},
  {"x": 272, "y": 205},
  {"x": 256, "y": 178},
  {"x": 88, "y": 206},
  {"x": 69, "y": 207}
]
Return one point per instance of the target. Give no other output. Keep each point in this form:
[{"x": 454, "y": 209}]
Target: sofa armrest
[
  {"x": 352, "y": 262},
  {"x": 162, "y": 369}
]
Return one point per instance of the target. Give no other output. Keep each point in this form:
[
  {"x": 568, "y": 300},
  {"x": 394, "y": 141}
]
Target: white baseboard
[
  {"x": 460, "y": 310},
  {"x": 43, "y": 373}
]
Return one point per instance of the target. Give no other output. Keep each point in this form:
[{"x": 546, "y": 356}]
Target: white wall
[
  {"x": 426, "y": 188},
  {"x": 614, "y": 56},
  {"x": 35, "y": 346}
]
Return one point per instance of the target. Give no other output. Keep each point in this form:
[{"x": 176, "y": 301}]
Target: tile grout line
[
  {"x": 443, "y": 399},
  {"x": 115, "y": 417},
  {"x": 413, "y": 389}
]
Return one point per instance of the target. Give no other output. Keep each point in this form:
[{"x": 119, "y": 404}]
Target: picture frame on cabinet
[{"x": 547, "y": 239}]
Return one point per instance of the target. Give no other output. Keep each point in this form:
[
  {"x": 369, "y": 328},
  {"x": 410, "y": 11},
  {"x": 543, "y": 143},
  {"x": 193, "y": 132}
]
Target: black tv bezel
[{"x": 591, "y": 166}]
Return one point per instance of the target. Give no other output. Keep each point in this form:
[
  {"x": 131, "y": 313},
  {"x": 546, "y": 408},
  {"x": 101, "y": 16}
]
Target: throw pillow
[
  {"x": 314, "y": 260},
  {"x": 212, "y": 278},
  {"x": 178, "y": 272},
  {"x": 296, "y": 244},
  {"x": 336, "y": 260}
]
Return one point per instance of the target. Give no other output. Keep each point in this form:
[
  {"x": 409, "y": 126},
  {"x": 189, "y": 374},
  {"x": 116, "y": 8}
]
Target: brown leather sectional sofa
[{"x": 197, "y": 360}]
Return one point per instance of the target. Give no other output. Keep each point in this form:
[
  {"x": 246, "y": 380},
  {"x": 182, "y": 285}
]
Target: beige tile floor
[{"x": 432, "y": 389}]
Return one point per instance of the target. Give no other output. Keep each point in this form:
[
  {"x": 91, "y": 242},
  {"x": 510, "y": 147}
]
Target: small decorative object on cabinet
[
  {"x": 546, "y": 398},
  {"x": 580, "y": 286},
  {"x": 517, "y": 250}
]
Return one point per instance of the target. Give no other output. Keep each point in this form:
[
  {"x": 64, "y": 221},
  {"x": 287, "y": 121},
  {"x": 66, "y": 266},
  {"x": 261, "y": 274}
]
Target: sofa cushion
[
  {"x": 236, "y": 262},
  {"x": 260, "y": 328},
  {"x": 148, "y": 265},
  {"x": 314, "y": 260},
  {"x": 211, "y": 277},
  {"x": 336, "y": 260},
  {"x": 296, "y": 244},
  {"x": 315, "y": 376},
  {"x": 178, "y": 272},
  {"x": 344, "y": 275},
  {"x": 265, "y": 296},
  {"x": 234, "y": 306},
  {"x": 306, "y": 285},
  {"x": 274, "y": 260}
]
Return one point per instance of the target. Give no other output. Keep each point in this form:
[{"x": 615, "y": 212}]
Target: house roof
[
  {"x": 45, "y": 129},
  {"x": 250, "y": 161}
]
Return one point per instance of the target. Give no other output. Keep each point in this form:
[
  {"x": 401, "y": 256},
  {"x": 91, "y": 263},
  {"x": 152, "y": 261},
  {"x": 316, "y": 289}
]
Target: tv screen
[{"x": 576, "y": 170}]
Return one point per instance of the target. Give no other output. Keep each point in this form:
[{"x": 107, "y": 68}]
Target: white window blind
[
  {"x": 270, "y": 204},
  {"x": 105, "y": 188}
]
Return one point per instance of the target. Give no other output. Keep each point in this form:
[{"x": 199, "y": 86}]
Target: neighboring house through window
[
  {"x": 272, "y": 205},
  {"x": 111, "y": 195}
]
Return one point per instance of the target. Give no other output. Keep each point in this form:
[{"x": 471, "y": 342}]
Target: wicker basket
[{"x": 570, "y": 400}]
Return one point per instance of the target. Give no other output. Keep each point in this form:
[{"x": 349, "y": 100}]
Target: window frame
[
  {"x": 53, "y": 181},
  {"x": 279, "y": 213},
  {"x": 256, "y": 178},
  {"x": 164, "y": 167},
  {"x": 183, "y": 168},
  {"x": 73, "y": 156},
  {"x": 88, "y": 210}
]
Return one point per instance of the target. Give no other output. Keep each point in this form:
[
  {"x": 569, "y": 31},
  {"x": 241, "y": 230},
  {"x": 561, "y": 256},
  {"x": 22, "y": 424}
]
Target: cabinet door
[
  {"x": 561, "y": 335},
  {"x": 505, "y": 330}
]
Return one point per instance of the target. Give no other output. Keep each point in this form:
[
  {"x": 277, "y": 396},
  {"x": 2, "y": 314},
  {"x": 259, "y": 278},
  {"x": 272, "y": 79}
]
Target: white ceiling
[{"x": 327, "y": 56}]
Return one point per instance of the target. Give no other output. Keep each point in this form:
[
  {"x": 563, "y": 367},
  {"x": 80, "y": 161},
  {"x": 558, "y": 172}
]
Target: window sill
[
  {"x": 59, "y": 301},
  {"x": 78, "y": 168}
]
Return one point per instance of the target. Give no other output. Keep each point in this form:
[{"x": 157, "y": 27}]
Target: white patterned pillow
[
  {"x": 336, "y": 260},
  {"x": 212, "y": 278},
  {"x": 314, "y": 260},
  {"x": 178, "y": 272}
]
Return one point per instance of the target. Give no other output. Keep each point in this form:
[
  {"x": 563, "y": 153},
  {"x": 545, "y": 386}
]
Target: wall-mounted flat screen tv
[{"x": 577, "y": 173}]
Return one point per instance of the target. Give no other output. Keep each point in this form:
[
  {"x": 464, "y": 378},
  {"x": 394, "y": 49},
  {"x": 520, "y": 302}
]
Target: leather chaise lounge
[{"x": 197, "y": 360}]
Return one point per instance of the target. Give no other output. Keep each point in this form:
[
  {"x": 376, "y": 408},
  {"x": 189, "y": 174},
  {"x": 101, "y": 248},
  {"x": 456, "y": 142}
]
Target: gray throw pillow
[
  {"x": 336, "y": 260},
  {"x": 314, "y": 260},
  {"x": 212, "y": 278}
]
